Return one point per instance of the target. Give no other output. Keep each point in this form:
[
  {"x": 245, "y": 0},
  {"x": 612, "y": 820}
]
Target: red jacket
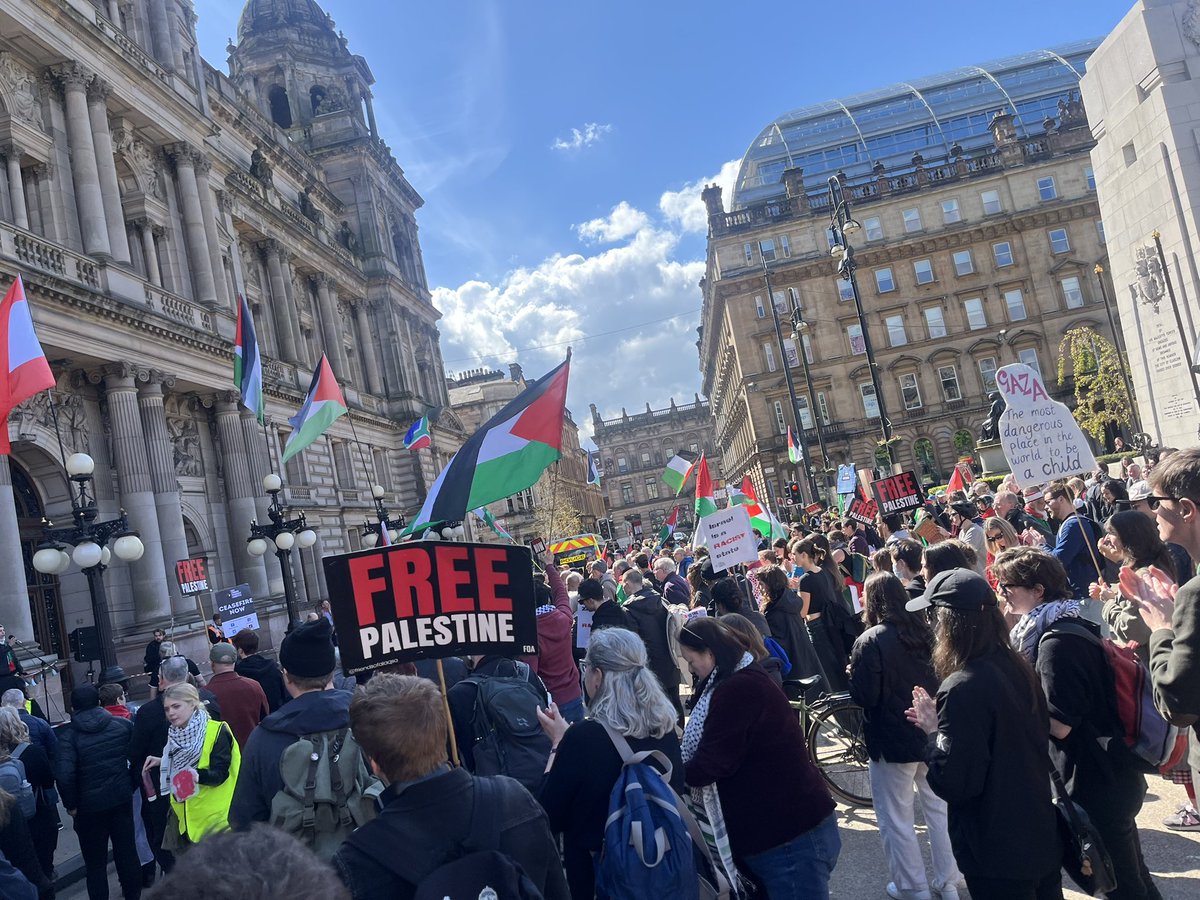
[
  {"x": 243, "y": 703},
  {"x": 555, "y": 662}
]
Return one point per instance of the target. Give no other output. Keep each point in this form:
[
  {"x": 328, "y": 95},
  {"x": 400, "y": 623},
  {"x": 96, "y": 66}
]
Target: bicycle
[{"x": 833, "y": 731}]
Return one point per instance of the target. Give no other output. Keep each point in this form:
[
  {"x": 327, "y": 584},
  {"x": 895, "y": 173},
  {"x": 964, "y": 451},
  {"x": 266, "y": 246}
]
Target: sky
[{"x": 561, "y": 148}]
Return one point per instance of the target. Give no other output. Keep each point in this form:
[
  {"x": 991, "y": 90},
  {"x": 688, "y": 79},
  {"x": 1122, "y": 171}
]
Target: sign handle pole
[
  {"x": 1091, "y": 548},
  {"x": 449, "y": 721}
]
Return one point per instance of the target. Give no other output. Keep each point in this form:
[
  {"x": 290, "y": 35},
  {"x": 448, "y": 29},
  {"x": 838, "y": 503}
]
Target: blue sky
[{"x": 560, "y": 148}]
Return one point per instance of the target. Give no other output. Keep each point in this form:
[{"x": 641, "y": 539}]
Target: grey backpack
[{"x": 13, "y": 780}]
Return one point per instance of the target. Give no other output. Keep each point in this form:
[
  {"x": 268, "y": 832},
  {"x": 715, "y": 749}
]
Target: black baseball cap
[{"x": 961, "y": 589}]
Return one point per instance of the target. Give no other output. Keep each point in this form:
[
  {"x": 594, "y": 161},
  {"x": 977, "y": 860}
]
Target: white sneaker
[
  {"x": 949, "y": 891},
  {"x": 907, "y": 893}
]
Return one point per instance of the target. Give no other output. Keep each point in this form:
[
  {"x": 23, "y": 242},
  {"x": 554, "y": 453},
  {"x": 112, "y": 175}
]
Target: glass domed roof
[
  {"x": 264, "y": 15},
  {"x": 928, "y": 116}
]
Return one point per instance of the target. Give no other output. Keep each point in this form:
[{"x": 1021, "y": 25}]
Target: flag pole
[
  {"x": 362, "y": 456},
  {"x": 449, "y": 719}
]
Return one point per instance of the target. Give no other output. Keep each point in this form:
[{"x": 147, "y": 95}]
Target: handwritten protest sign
[
  {"x": 430, "y": 600},
  {"x": 730, "y": 538},
  {"x": 898, "y": 493},
  {"x": 1040, "y": 438}
]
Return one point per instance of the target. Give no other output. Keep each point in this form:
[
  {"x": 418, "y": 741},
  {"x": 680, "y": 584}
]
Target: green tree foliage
[{"x": 1100, "y": 398}]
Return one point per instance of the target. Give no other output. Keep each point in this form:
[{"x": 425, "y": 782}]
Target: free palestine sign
[{"x": 1040, "y": 438}]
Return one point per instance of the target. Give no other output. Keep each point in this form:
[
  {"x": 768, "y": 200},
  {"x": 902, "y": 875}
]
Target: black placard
[
  {"x": 862, "y": 511},
  {"x": 898, "y": 493}
]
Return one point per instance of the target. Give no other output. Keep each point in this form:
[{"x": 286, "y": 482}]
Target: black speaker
[{"x": 85, "y": 643}]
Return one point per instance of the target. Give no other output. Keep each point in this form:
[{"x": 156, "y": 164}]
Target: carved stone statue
[
  {"x": 989, "y": 429},
  {"x": 1149, "y": 287},
  {"x": 308, "y": 208},
  {"x": 348, "y": 239},
  {"x": 260, "y": 168}
]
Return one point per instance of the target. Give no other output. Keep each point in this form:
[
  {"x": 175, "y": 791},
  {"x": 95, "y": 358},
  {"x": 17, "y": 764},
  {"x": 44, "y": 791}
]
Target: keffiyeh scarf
[
  {"x": 704, "y": 801},
  {"x": 184, "y": 746},
  {"x": 1031, "y": 626}
]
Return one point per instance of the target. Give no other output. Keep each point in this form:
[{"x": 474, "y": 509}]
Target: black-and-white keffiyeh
[
  {"x": 1031, "y": 626},
  {"x": 545, "y": 610},
  {"x": 705, "y": 801},
  {"x": 184, "y": 746}
]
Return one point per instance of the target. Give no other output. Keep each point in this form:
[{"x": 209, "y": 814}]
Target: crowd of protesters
[{"x": 971, "y": 632}]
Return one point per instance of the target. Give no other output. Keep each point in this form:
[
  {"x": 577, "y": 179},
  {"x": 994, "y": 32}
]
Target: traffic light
[
  {"x": 793, "y": 494},
  {"x": 604, "y": 529}
]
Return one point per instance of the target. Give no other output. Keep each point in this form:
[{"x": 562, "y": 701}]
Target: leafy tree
[
  {"x": 1100, "y": 398},
  {"x": 566, "y": 516}
]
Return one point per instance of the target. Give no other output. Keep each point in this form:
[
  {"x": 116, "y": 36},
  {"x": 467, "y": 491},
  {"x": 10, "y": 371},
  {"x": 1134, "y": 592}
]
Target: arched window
[
  {"x": 281, "y": 108},
  {"x": 964, "y": 441},
  {"x": 927, "y": 460}
]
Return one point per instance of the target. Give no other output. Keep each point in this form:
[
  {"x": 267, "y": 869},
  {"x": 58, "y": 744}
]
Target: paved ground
[{"x": 1174, "y": 857}]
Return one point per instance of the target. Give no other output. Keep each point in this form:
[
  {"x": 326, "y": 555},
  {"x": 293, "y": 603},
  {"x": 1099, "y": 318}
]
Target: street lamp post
[
  {"x": 372, "y": 530},
  {"x": 283, "y": 534},
  {"x": 85, "y": 542},
  {"x": 842, "y": 225},
  {"x": 799, "y": 326}
]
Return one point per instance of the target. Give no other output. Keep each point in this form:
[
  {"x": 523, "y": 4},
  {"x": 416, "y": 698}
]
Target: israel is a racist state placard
[{"x": 430, "y": 600}]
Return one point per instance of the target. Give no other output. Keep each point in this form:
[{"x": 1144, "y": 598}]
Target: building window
[
  {"x": 767, "y": 249},
  {"x": 912, "y": 220},
  {"x": 785, "y": 249},
  {"x": 1072, "y": 292},
  {"x": 806, "y": 342},
  {"x": 343, "y": 465},
  {"x": 845, "y": 290},
  {"x": 1059, "y": 242},
  {"x": 910, "y": 391},
  {"x": 1046, "y": 188},
  {"x": 651, "y": 488},
  {"x": 769, "y": 355},
  {"x": 1030, "y": 358},
  {"x": 779, "y": 298},
  {"x": 1003, "y": 254},
  {"x": 948, "y": 376},
  {"x": 383, "y": 472},
  {"x": 923, "y": 269},
  {"x": 1090, "y": 177},
  {"x": 895, "y": 330},
  {"x": 789, "y": 349},
  {"x": 987, "y": 374},
  {"x": 927, "y": 459},
  {"x": 950, "y": 212},
  {"x": 748, "y": 250},
  {"x": 963, "y": 263},
  {"x": 645, "y": 458},
  {"x": 884, "y": 281},
  {"x": 760, "y": 310},
  {"x": 780, "y": 421},
  {"x": 1100, "y": 232},
  {"x": 873, "y": 227},
  {"x": 976, "y": 319},
  {"x": 857, "y": 345},
  {"x": 806, "y": 421},
  {"x": 935, "y": 322},
  {"x": 991, "y": 203},
  {"x": 695, "y": 448},
  {"x": 870, "y": 403},
  {"x": 626, "y": 493},
  {"x": 622, "y": 465},
  {"x": 1129, "y": 153},
  {"x": 823, "y": 408},
  {"x": 1015, "y": 301}
]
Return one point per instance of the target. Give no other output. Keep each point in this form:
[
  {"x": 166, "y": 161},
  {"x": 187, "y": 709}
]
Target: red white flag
[
  {"x": 960, "y": 478},
  {"x": 24, "y": 370}
]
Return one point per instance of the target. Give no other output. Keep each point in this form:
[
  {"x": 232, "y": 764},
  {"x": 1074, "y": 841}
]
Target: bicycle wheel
[{"x": 836, "y": 747}]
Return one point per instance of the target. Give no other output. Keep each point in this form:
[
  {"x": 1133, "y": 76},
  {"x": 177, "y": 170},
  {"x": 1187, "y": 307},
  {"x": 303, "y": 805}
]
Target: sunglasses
[
  {"x": 994, "y": 538},
  {"x": 1005, "y": 588},
  {"x": 1153, "y": 501}
]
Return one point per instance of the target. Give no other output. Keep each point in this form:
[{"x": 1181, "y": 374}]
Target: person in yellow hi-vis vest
[{"x": 199, "y": 769}]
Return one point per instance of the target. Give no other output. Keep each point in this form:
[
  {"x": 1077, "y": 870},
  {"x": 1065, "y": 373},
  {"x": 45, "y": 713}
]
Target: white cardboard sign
[
  {"x": 730, "y": 538},
  {"x": 1040, "y": 438}
]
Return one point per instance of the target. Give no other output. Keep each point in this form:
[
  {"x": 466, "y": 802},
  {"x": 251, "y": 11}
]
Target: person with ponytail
[
  {"x": 829, "y": 624},
  {"x": 584, "y": 764}
]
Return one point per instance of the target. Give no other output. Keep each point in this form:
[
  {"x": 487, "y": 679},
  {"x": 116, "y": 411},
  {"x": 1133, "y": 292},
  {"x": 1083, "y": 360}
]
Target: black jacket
[
  {"x": 93, "y": 761},
  {"x": 988, "y": 762},
  {"x": 883, "y": 673},
  {"x": 266, "y": 673},
  {"x": 648, "y": 618},
  {"x": 16, "y": 845},
  {"x": 788, "y": 628},
  {"x": 150, "y": 731},
  {"x": 259, "y": 781},
  {"x": 610, "y": 615},
  {"x": 422, "y": 825}
]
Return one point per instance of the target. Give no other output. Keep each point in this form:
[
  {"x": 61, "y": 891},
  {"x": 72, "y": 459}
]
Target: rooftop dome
[
  {"x": 932, "y": 116},
  {"x": 264, "y": 15}
]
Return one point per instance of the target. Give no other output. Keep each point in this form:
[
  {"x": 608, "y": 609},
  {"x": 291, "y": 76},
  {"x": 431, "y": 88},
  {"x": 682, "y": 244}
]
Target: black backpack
[{"x": 507, "y": 737}]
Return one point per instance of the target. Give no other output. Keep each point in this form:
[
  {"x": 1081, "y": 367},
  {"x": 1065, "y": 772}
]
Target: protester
[
  {"x": 168, "y": 650},
  {"x": 965, "y": 526},
  {"x": 584, "y": 764},
  {"x": 1101, "y": 773},
  {"x": 429, "y": 809},
  {"x": 986, "y": 754},
  {"x": 826, "y": 617},
  {"x": 600, "y": 573},
  {"x": 1075, "y": 544},
  {"x": 752, "y": 640},
  {"x": 906, "y": 564},
  {"x": 856, "y": 541},
  {"x": 251, "y": 664},
  {"x": 648, "y": 617},
  {"x": 242, "y": 701},
  {"x": 1130, "y": 539},
  {"x": 216, "y": 631},
  {"x": 17, "y": 847},
  {"x": 11, "y": 671},
  {"x": 554, "y": 662},
  {"x": 728, "y": 597},
  {"x": 944, "y": 556},
  {"x": 605, "y": 612},
  {"x": 92, "y": 774},
  {"x": 153, "y": 657},
  {"x": 1008, "y": 507},
  {"x": 42, "y": 827},
  {"x": 112, "y": 699},
  {"x": 671, "y": 585},
  {"x": 748, "y": 769},
  {"x": 784, "y": 612},
  {"x": 889, "y": 659}
]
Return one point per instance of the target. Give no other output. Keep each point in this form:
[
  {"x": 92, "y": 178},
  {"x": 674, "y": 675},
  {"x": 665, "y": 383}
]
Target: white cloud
[
  {"x": 685, "y": 209},
  {"x": 624, "y": 221},
  {"x": 579, "y": 139}
]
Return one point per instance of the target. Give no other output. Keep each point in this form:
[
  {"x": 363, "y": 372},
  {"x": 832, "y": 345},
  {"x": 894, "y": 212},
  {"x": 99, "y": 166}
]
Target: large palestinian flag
[
  {"x": 323, "y": 404},
  {"x": 506, "y": 455}
]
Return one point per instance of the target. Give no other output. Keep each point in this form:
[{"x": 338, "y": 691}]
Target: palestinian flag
[
  {"x": 322, "y": 406},
  {"x": 485, "y": 515},
  {"x": 760, "y": 517},
  {"x": 417, "y": 437},
  {"x": 795, "y": 454},
  {"x": 706, "y": 502},
  {"x": 247, "y": 363},
  {"x": 678, "y": 471},
  {"x": 960, "y": 478},
  {"x": 668, "y": 527},
  {"x": 506, "y": 455}
]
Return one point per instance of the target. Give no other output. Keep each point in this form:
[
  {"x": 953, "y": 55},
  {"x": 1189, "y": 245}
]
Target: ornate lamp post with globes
[
  {"x": 371, "y": 530},
  {"x": 283, "y": 534},
  {"x": 85, "y": 543}
]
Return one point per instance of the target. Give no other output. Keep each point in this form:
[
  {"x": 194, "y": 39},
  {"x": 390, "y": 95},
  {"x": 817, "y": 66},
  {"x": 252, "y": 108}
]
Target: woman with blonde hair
[
  {"x": 43, "y": 825},
  {"x": 200, "y": 766}
]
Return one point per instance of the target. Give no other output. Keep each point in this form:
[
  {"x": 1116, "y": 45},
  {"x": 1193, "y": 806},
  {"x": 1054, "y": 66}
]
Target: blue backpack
[
  {"x": 653, "y": 846},
  {"x": 777, "y": 651}
]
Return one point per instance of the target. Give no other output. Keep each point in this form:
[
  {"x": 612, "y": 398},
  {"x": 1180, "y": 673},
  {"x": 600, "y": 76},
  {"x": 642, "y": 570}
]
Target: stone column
[
  {"x": 114, "y": 12},
  {"x": 289, "y": 288},
  {"x": 330, "y": 326},
  {"x": 149, "y": 251},
  {"x": 287, "y": 325},
  {"x": 240, "y": 493},
  {"x": 208, "y": 211},
  {"x": 160, "y": 32},
  {"x": 369, "y": 352},
  {"x": 161, "y": 455},
  {"x": 93, "y": 223},
  {"x": 258, "y": 457},
  {"x": 106, "y": 167},
  {"x": 151, "y": 599},
  {"x": 14, "y": 598},
  {"x": 16, "y": 187},
  {"x": 371, "y": 117},
  {"x": 199, "y": 261}
]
